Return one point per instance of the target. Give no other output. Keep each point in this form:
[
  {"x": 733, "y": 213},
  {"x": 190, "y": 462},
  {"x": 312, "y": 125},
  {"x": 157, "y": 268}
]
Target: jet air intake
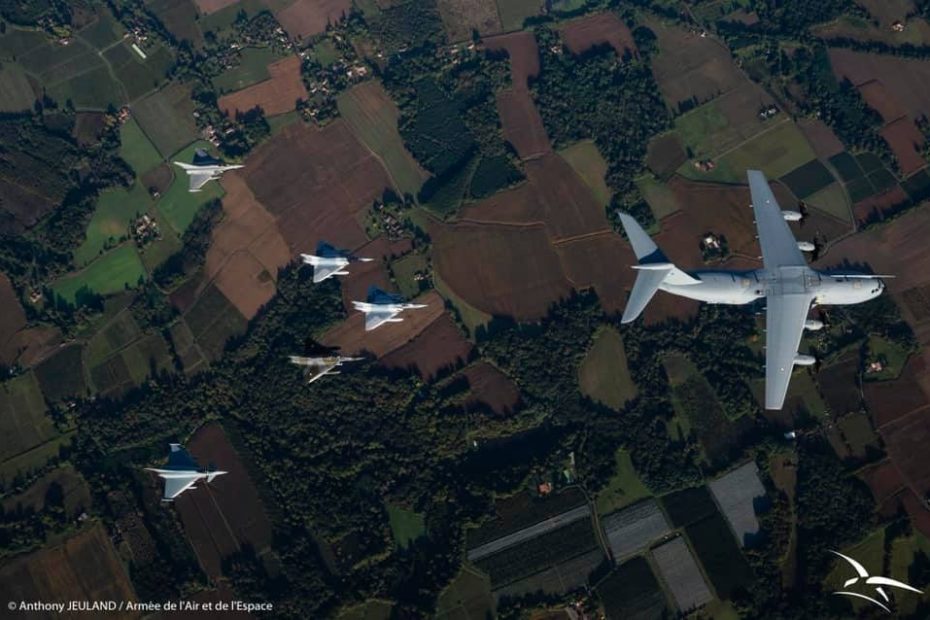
[
  {"x": 804, "y": 360},
  {"x": 806, "y": 246},
  {"x": 813, "y": 325}
]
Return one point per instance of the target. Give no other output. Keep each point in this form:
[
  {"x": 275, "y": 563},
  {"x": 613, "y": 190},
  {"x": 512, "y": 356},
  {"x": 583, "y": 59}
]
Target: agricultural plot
[
  {"x": 16, "y": 93},
  {"x": 180, "y": 18},
  {"x": 136, "y": 149},
  {"x": 589, "y": 165},
  {"x": 120, "y": 332},
  {"x": 521, "y": 123},
  {"x": 94, "y": 89},
  {"x": 139, "y": 76},
  {"x": 85, "y": 567},
  {"x": 514, "y": 12},
  {"x": 521, "y": 510},
  {"x": 62, "y": 375},
  {"x": 405, "y": 270},
  {"x": 808, "y": 179},
  {"x": 468, "y": 597},
  {"x": 597, "y": 29},
  {"x": 859, "y": 436},
  {"x": 117, "y": 270},
  {"x": 681, "y": 573},
  {"x": 437, "y": 350},
  {"x": 132, "y": 366},
  {"x": 833, "y": 201},
  {"x": 633, "y": 529},
  {"x": 529, "y": 532},
  {"x": 109, "y": 225},
  {"x": 305, "y": 18},
  {"x": 104, "y": 31},
  {"x": 12, "y": 315},
  {"x": 213, "y": 320},
  {"x": 718, "y": 553},
  {"x": 689, "y": 506},
  {"x": 905, "y": 439},
  {"x": 738, "y": 493},
  {"x": 178, "y": 205},
  {"x": 631, "y": 592},
  {"x": 75, "y": 494},
  {"x": 23, "y": 420},
  {"x": 167, "y": 118},
  {"x": 665, "y": 154},
  {"x": 406, "y": 525},
  {"x": 661, "y": 199},
  {"x": 491, "y": 388},
  {"x": 624, "y": 487},
  {"x": 839, "y": 383},
  {"x": 604, "y": 375},
  {"x": 558, "y": 579},
  {"x": 372, "y": 116},
  {"x": 462, "y": 17},
  {"x": 903, "y": 78},
  {"x": 276, "y": 95}
]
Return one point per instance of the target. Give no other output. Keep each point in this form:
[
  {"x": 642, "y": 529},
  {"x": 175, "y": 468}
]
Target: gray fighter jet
[
  {"x": 381, "y": 308},
  {"x": 204, "y": 169},
  {"x": 329, "y": 261},
  {"x": 319, "y": 360},
  {"x": 182, "y": 472}
]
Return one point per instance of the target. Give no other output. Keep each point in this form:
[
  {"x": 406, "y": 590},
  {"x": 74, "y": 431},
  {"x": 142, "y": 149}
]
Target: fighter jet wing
[
  {"x": 785, "y": 315},
  {"x": 779, "y": 247},
  {"x": 176, "y": 486},
  {"x": 377, "y": 318},
  {"x": 321, "y": 272},
  {"x": 198, "y": 180}
]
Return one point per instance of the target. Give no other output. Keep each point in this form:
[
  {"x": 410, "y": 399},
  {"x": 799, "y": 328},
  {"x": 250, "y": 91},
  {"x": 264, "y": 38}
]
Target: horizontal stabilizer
[{"x": 647, "y": 283}]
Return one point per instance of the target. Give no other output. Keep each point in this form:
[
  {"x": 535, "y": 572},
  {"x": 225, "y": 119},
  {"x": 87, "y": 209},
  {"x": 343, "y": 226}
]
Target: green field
[
  {"x": 405, "y": 268},
  {"x": 252, "y": 68},
  {"x": 157, "y": 252},
  {"x": 167, "y": 118},
  {"x": 113, "y": 272},
  {"x": 179, "y": 205},
  {"x": 776, "y": 151},
  {"x": 109, "y": 225},
  {"x": 226, "y": 17},
  {"x": 104, "y": 32},
  {"x": 325, "y": 52},
  {"x": 514, "y": 12},
  {"x": 632, "y": 591},
  {"x": 586, "y": 161},
  {"x": 660, "y": 198},
  {"x": 16, "y": 43},
  {"x": 137, "y": 149},
  {"x": 467, "y": 597},
  {"x": 624, "y": 487},
  {"x": 832, "y": 200},
  {"x": 373, "y": 119},
  {"x": 23, "y": 421},
  {"x": 406, "y": 525},
  {"x": 118, "y": 333},
  {"x": 15, "y": 91},
  {"x": 472, "y": 317},
  {"x": 139, "y": 76},
  {"x": 859, "y": 434},
  {"x": 92, "y": 90},
  {"x": 698, "y": 128},
  {"x": 892, "y": 356},
  {"x": 604, "y": 375}
]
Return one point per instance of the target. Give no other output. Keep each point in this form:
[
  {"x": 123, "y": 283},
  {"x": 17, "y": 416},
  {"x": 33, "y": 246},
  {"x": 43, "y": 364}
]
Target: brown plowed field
[
  {"x": 879, "y": 99},
  {"x": 439, "y": 347},
  {"x": 12, "y": 317},
  {"x": 554, "y": 195},
  {"x": 602, "y": 262},
  {"x": 247, "y": 249},
  {"x": 228, "y": 513},
  {"x": 877, "y": 204},
  {"x": 83, "y": 568},
  {"x": 212, "y": 6},
  {"x": 822, "y": 139},
  {"x": 314, "y": 182},
  {"x": 906, "y": 142},
  {"x": 884, "y": 480},
  {"x": 276, "y": 95},
  {"x": 582, "y": 34},
  {"x": 500, "y": 269},
  {"x": 522, "y": 125},
  {"x": 904, "y": 79},
  {"x": 690, "y": 67},
  {"x": 351, "y": 336},
  {"x": 889, "y": 400},
  {"x": 493, "y": 388},
  {"x": 523, "y": 52},
  {"x": 305, "y": 18},
  {"x": 906, "y": 439}
]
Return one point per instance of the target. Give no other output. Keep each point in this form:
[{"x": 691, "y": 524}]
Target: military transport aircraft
[
  {"x": 381, "y": 308},
  {"x": 786, "y": 281},
  {"x": 181, "y": 472},
  {"x": 320, "y": 360},
  {"x": 204, "y": 169},
  {"x": 329, "y": 261}
]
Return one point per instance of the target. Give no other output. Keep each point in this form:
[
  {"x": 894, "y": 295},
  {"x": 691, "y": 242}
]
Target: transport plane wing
[
  {"x": 779, "y": 247},
  {"x": 785, "y": 316}
]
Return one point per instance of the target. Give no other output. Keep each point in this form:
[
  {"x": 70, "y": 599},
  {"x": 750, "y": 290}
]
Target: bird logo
[{"x": 879, "y": 583}]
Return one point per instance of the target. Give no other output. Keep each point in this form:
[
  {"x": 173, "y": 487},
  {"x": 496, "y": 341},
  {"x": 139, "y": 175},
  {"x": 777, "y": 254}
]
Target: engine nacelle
[
  {"x": 813, "y": 325},
  {"x": 806, "y": 246},
  {"x": 804, "y": 360},
  {"x": 792, "y": 216}
]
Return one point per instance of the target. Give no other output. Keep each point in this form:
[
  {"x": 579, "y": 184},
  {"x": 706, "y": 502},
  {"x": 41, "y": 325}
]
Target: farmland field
[
  {"x": 180, "y": 18},
  {"x": 118, "y": 269},
  {"x": 467, "y": 597},
  {"x": 634, "y": 528},
  {"x": 138, "y": 76},
  {"x": 178, "y": 205},
  {"x": 75, "y": 493},
  {"x": 118, "y": 333},
  {"x": 689, "y": 505},
  {"x": 492, "y": 388},
  {"x": 372, "y": 116},
  {"x": 213, "y": 320},
  {"x": 514, "y": 12},
  {"x": 661, "y": 200},
  {"x": 405, "y": 269},
  {"x": 305, "y": 18},
  {"x": 109, "y": 225},
  {"x": 136, "y": 148},
  {"x": 276, "y": 95},
  {"x": 23, "y": 422},
  {"x": 439, "y": 348},
  {"x": 587, "y": 162},
  {"x": 737, "y": 493},
  {"x": 631, "y": 592},
  {"x": 665, "y": 154},
  {"x": 680, "y": 571},
  {"x": 859, "y": 435},
  {"x": 167, "y": 117},
  {"x": 808, "y": 179},
  {"x": 94, "y": 89},
  {"x": 604, "y": 375},
  {"x": 589, "y": 31},
  {"x": 16, "y": 92},
  {"x": 461, "y": 17},
  {"x": 522, "y": 125},
  {"x": 717, "y": 551},
  {"x": 406, "y": 525},
  {"x": 833, "y": 201},
  {"x": 624, "y": 488}
]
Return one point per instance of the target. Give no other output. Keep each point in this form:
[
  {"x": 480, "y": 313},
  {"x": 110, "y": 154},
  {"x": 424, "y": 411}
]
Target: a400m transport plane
[{"x": 785, "y": 280}]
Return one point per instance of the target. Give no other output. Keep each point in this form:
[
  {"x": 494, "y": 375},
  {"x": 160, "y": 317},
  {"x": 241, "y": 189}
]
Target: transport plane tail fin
[{"x": 653, "y": 267}]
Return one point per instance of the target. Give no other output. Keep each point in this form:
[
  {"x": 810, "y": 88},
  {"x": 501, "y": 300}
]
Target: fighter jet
[
  {"x": 329, "y": 261},
  {"x": 181, "y": 472},
  {"x": 204, "y": 169},
  {"x": 785, "y": 280},
  {"x": 320, "y": 360},
  {"x": 382, "y": 308}
]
